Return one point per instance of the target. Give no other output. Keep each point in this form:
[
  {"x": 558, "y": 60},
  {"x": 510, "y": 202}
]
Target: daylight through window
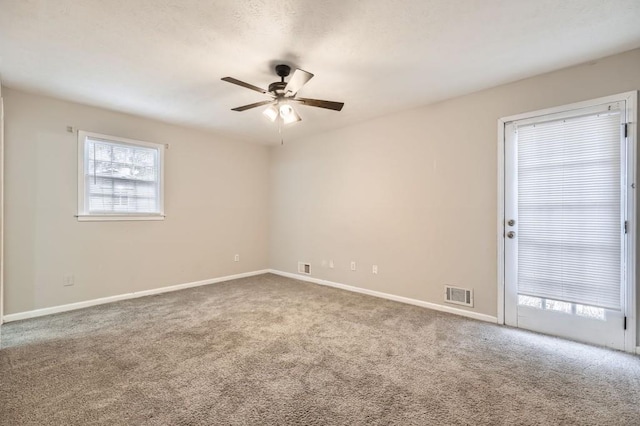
[{"x": 120, "y": 178}]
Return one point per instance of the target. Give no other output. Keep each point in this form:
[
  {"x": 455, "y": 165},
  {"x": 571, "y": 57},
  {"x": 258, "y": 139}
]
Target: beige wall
[
  {"x": 415, "y": 192},
  {"x": 216, "y": 200}
]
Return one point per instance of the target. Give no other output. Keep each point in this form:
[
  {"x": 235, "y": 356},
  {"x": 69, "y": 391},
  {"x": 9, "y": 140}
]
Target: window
[
  {"x": 119, "y": 179},
  {"x": 565, "y": 307}
]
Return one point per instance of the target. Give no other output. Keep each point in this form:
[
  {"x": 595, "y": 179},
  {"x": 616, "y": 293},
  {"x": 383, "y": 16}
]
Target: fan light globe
[
  {"x": 285, "y": 110},
  {"x": 271, "y": 113},
  {"x": 288, "y": 114}
]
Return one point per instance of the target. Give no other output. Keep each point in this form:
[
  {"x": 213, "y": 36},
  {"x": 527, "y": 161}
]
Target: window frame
[{"x": 84, "y": 215}]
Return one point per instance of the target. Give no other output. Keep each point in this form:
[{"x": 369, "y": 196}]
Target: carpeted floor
[{"x": 269, "y": 350}]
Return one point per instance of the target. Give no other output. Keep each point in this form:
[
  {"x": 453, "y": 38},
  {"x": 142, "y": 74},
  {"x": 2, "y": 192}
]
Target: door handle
[{"x": 511, "y": 234}]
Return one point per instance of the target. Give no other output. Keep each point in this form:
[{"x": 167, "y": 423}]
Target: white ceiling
[{"x": 164, "y": 58}]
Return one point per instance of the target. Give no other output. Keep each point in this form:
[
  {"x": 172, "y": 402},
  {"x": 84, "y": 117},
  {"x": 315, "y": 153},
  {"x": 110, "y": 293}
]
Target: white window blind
[
  {"x": 569, "y": 210},
  {"x": 120, "y": 178}
]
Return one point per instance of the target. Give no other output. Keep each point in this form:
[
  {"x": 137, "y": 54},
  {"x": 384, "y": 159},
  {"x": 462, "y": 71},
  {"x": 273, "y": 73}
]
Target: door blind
[{"x": 569, "y": 210}]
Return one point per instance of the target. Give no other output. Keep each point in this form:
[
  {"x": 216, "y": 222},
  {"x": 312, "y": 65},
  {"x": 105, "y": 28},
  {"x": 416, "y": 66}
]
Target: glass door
[{"x": 565, "y": 220}]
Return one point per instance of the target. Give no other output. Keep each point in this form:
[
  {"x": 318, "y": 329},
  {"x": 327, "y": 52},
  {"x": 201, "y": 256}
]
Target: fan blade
[
  {"x": 297, "y": 80},
  {"x": 246, "y": 107},
  {"x": 243, "y": 84},
  {"x": 336, "y": 106}
]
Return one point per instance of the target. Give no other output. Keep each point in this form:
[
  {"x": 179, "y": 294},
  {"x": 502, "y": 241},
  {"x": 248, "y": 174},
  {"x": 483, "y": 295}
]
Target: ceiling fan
[{"x": 283, "y": 94}]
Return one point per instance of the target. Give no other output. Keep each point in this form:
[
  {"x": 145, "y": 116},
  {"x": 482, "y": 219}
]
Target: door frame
[
  {"x": 1, "y": 211},
  {"x": 631, "y": 99}
]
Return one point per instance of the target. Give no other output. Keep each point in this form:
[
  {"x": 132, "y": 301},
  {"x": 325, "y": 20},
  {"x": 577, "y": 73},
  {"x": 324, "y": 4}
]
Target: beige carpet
[{"x": 274, "y": 351}]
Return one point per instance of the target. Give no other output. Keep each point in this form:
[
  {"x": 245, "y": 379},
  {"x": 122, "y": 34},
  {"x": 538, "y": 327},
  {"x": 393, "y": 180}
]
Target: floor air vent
[
  {"x": 304, "y": 268},
  {"x": 459, "y": 296}
]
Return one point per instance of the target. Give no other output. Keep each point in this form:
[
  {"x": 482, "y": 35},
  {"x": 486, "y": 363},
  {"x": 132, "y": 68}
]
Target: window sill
[{"x": 113, "y": 217}]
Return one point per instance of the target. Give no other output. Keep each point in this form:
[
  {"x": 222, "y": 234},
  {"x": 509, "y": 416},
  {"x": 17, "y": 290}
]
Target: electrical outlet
[
  {"x": 353, "y": 265},
  {"x": 374, "y": 269},
  {"x": 236, "y": 258},
  {"x": 304, "y": 268},
  {"x": 331, "y": 264},
  {"x": 68, "y": 280}
]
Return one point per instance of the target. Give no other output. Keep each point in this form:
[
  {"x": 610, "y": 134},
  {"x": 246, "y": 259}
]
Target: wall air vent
[
  {"x": 304, "y": 268},
  {"x": 457, "y": 295}
]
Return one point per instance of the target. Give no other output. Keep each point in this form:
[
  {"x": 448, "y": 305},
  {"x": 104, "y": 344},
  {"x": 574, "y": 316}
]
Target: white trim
[
  {"x": 2, "y": 166},
  {"x": 631, "y": 99},
  {"x": 638, "y": 350},
  {"x": 500, "y": 235},
  {"x": 510, "y": 248},
  {"x": 87, "y": 303},
  {"x": 401, "y": 299},
  {"x": 118, "y": 139},
  {"x": 110, "y": 217},
  {"x": 632, "y": 229},
  {"x": 573, "y": 106}
]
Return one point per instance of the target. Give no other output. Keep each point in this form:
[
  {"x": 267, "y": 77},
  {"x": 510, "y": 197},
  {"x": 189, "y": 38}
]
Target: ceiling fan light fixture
[
  {"x": 271, "y": 113},
  {"x": 285, "y": 110},
  {"x": 282, "y": 94},
  {"x": 288, "y": 114}
]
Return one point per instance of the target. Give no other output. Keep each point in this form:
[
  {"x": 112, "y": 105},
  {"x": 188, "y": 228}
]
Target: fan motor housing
[
  {"x": 277, "y": 87},
  {"x": 283, "y": 70}
]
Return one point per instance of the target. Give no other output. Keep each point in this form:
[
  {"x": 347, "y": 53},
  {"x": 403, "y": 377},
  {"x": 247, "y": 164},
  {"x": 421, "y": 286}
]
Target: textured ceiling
[{"x": 164, "y": 58}]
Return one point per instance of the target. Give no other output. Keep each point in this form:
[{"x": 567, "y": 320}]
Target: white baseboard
[
  {"x": 638, "y": 350},
  {"x": 87, "y": 303},
  {"x": 401, "y": 299}
]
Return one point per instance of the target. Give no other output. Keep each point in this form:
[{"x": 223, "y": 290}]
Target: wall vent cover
[
  {"x": 457, "y": 295},
  {"x": 304, "y": 268}
]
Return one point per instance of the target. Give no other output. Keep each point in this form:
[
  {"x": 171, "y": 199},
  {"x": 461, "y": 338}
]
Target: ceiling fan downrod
[{"x": 283, "y": 71}]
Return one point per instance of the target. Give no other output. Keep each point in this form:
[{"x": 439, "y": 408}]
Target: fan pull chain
[{"x": 280, "y": 131}]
